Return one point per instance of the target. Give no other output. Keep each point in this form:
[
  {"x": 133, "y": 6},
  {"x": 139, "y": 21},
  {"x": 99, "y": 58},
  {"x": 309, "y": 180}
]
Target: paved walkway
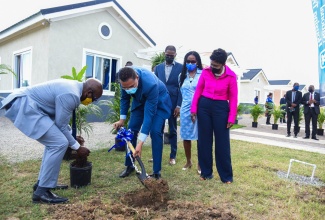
[{"x": 265, "y": 135}]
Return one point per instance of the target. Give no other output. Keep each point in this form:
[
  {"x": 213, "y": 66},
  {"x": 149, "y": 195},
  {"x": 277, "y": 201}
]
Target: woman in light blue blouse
[{"x": 189, "y": 77}]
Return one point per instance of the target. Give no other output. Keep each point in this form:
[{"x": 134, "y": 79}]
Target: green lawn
[{"x": 257, "y": 192}]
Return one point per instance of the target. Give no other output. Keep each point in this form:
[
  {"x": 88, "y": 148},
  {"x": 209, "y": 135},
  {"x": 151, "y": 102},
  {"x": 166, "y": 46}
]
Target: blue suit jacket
[
  {"x": 172, "y": 82},
  {"x": 151, "y": 97}
]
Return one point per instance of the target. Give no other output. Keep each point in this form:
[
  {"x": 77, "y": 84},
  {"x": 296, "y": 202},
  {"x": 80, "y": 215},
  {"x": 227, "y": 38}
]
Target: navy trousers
[
  {"x": 156, "y": 134},
  {"x": 172, "y": 126},
  {"x": 212, "y": 116}
]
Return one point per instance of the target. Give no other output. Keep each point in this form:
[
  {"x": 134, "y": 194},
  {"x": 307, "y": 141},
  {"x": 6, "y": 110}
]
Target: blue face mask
[
  {"x": 190, "y": 67},
  {"x": 131, "y": 91},
  {"x": 296, "y": 88}
]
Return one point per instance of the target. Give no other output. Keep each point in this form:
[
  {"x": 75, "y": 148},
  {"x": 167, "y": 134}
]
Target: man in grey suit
[
  {"x": 168, "y": 73},
  {"x": 311, "y": 101},
  {"x": 43, "y": 112}
]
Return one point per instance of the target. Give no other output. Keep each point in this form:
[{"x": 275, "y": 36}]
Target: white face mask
[{"x": 131, "y": 91}]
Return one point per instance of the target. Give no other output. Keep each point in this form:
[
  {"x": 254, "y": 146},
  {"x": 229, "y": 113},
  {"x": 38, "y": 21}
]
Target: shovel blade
[{"x": 143, "y": 175}]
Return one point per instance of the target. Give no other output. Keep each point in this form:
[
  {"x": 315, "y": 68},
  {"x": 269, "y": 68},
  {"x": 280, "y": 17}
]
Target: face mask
[
  {"x": 131, "y": 91},
  {"x": 87, "y": 101},
  {"x": 311, "y": 90},
  {"x": 215, "y": 70},
  {"x": 169, "y": 60},
  {"x": 296, "y": 88},
  {"x": 190, "y": 67}
]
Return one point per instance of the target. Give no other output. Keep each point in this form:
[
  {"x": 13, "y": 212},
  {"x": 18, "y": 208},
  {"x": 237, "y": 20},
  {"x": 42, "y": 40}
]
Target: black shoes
[
  {"x": 306, "y": 137},
  {"x": 314, "y": 138},
  {"x": 288, "y": 135},
  {"x": 48, "y": 197},
  {"x": 156, "y": 176},
  {"x": 127, "y": 172},
  {"x": 59, "y": 186},
  {"x": 295, "y": 136}
]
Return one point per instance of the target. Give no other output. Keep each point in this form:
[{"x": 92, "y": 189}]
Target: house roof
[
  {"x": 50, "y": 13},
  {"x": 279, "y": 82},
  {"x": 250, "y": 74}
]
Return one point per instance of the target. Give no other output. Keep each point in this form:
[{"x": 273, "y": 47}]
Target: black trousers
[
  {"x": 311, "y": 114},
  {"x": 295, "y": 116}
]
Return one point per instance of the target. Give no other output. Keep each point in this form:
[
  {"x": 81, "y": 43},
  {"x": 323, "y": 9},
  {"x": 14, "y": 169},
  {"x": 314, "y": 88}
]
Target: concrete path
[{"x": 265, "y": 135}]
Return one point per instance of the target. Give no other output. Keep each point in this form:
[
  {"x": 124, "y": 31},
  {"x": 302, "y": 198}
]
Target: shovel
[{"x": 143, "y": 175}]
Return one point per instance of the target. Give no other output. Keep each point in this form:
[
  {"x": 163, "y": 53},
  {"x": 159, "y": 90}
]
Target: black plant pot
[
  {"x": 166, "y": 138},
  {"x": 80, "y": 176},
  {"x": 254, "y": 124},
  {"x": 275, "y": 126},
  {"x": 120, "y": 145},
  {"x": 320, "y": 131}
]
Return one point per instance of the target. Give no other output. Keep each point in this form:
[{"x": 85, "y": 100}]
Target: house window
[
  {"x": 102, "y": 68},
  {"x": 23, "y": 69},
  {"x": 105, "y": 31}
]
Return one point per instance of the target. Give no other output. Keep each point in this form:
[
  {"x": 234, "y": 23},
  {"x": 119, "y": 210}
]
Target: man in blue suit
[
  {"x": 168, "y": 73},
  {"x": 150, "y": 108},
  {"x": 43, "y": 112}
]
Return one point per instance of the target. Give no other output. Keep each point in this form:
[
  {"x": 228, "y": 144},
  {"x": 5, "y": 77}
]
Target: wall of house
[
  {"x": 247, "y": 90},
  {"x": 37, "y": 40},
  {"x": 69, "y": 37}
]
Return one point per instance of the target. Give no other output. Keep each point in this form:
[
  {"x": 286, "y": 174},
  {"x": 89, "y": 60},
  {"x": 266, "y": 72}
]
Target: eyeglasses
[{"x": 190, "y": 61}]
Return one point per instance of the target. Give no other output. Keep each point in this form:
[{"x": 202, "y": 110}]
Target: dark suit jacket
[
  {"x": 172, "y": 82},
  {"x": 151, "y": 97},
  {"x": 305, "y": 100},
  {"x": 283, "y": 101},
  {"x": 297, "y": 100}
]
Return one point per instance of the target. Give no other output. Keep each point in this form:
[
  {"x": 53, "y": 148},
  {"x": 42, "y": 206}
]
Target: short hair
[
  {"x": 126, "y": 73},
  {"x": 270, "y": 94},
  {"x": 170, "y": 47},
  {"x": 219, "y": 55},
  {"x": 129, "y": 63}
]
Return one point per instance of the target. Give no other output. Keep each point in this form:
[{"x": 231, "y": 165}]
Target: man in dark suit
[
  {"x": 150, "y": 108},
  {"x": 283, "y": 103},
  {"x": 311, "y": 101},
  {"x": 293, "y": 99},
  {"x": 168, "y": 73}
]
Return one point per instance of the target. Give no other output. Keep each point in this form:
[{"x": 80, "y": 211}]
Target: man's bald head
[{"x": 92, "y": 88}]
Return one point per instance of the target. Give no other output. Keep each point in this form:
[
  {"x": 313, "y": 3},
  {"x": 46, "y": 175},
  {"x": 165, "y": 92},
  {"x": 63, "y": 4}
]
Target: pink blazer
[{"x": 224, "y": 88}]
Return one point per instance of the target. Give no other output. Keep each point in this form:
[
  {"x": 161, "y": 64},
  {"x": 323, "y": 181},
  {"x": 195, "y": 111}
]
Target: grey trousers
[{"x": 56, "y": 145}]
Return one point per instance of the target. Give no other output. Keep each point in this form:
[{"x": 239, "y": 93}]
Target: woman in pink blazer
[{"x": 214, "y": 107}]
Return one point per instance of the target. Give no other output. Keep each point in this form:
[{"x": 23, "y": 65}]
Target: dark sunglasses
[{"x": 190, "y": 61}]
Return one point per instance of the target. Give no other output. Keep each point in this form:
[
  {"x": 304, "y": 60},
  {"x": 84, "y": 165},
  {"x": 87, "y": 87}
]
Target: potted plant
[
  {"x": 277, "y": 113},
  {"x": 256, "y": 112},
  {"x": 240, "y": 110},
  {"x": 320, "y": 121},
  {"x": 114, "y": 114}
]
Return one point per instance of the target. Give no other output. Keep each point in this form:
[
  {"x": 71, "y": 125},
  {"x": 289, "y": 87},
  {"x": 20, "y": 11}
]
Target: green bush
[
  {"x": 256, "y": 112},
  {"x": 321, "y": 118}
]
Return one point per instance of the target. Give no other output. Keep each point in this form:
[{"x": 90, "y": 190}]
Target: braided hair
[{"x": 184, "y": 70}]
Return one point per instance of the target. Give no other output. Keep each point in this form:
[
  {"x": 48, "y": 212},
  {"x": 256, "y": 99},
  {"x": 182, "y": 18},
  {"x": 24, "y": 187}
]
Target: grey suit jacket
[{"x": 35, "y": 109}]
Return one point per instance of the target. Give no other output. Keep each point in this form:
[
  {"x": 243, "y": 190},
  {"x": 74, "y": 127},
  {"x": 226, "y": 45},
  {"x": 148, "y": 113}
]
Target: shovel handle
[{"x": 130, "y": 146}]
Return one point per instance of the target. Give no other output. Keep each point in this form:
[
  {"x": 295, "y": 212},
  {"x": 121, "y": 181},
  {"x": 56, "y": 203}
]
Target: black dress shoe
[
  {"x": 58, "y": 186},
  {"x": 288, "y": 135},
  {"x": 156, "y": 176},
  {"x": 127, "y": 172},
  {"x": 306, "y": 137},
  {"x": 295, "y": 136},
  {"x": 314, "y": 138},
  {"x": 48, "y": 197}
]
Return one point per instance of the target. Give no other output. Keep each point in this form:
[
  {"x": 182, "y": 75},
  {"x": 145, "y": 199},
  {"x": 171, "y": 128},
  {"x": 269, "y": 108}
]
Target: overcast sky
[{"x": 277, "y": 36}]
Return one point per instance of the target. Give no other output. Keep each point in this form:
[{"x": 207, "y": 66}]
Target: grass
[{"x": 257, "y": 192}]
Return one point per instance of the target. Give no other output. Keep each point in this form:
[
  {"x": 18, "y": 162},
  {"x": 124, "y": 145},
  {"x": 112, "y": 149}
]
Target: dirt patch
[{"x": 151, "y": 202}]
